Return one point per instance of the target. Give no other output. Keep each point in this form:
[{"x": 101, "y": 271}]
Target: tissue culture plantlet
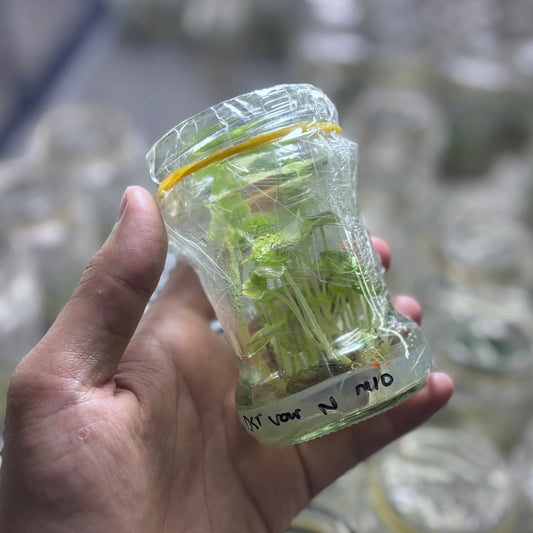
[{"x": 311, "y": 315}]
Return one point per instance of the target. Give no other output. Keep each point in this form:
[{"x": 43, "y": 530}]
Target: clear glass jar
[
  {"x": 49, "y": 219},
  {"x": 259, "y": 193},
  {"x": 327, "y": 46},
  {"x": 21, "y": 300},
  {"x": 93, "y": 148},
  {"x": 401, "y": 134},
  {"x": 478, "y": 315},
  {"x": 316, "y": 519},
  {"x": 21, "y": 324},
  {"x": 522, "y": 467},
  {"x": 483, "y": 343},
  {"x": 433, "y": 480},
  {"x": 485, "y": 112}
]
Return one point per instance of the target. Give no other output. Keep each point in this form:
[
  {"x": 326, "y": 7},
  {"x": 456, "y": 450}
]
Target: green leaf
[
  {"x": 296, "y": 196},
  {"x": 257, "y": 283},
  {"x": 254, "y": 288},
  {"x": 224, "y": 181},
  {"x": 274, "y": 249},
  {"x": 226, "y": 216},
  {"x": 320, "y": 220},
  {"x": 267, "y": 333},
  {"x": 338, "y": 261},
  {"x": 268, "y": 272},
  {"x": 234, "y": 206},
  {"x": 341, "y": 269},
  {"x": 259, "y": 223}
]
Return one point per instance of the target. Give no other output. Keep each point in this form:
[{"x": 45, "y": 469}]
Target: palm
[
  {"x": 222, "y": 479},
  {"x": 234, "y": 483},
  {"x": 119, "y": 426}
]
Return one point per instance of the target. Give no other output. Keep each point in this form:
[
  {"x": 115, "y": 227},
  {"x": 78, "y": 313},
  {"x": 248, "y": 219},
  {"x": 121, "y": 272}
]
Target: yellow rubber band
[
  {"x": 246, "y": 146},
  {"x": 386, "y": 513}
]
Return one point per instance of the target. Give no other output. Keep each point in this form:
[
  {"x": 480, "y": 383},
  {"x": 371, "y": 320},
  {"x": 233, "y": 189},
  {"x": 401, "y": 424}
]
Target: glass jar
[
  {"x": 258, "y": 193},
  {"x": 95, "y": 149},
  {"x": 483, "y": 342},
  {"x": 315, "y": 519},
  {"x": 401, "y": 134},
  {"x": 433, "y": 480},
  {"x": 21, "y": 324},
  {"x": 327, "y": 45},
  {"x": 21, "y": 298},
  {"x": 478, "y": 314},
  {"x": 522, "y": 467},
  {"x": 50, "y": 220}
]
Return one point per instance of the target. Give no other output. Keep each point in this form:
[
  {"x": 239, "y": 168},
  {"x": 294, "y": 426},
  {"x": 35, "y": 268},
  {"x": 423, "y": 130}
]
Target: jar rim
[{"x": 236, "y": 119}]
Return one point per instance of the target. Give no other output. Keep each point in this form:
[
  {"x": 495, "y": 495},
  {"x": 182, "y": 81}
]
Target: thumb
[{"x": 90, "y": 335}]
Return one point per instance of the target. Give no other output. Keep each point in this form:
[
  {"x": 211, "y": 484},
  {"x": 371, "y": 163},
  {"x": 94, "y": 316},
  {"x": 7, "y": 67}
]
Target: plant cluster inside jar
[{"x": 303, "y": 308}]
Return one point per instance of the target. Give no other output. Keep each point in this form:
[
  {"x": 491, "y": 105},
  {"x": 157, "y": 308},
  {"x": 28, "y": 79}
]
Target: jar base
[
  {"x": 336, "y": 403},
  {"x": 360, "y": 416}
]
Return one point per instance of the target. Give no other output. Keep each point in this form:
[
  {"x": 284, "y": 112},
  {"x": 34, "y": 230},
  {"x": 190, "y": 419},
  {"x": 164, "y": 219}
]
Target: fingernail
[{"x": 123, "y": 204}]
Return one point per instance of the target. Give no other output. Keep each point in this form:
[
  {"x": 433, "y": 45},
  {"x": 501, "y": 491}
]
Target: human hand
[{"x": 124, "y": 421}]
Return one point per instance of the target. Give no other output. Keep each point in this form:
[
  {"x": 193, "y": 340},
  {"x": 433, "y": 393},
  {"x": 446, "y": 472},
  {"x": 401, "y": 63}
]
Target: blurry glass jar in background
[
  {"x": 94, "y": 149},
  {"x": 327, "y": 48},
  {"x": 522, "y": 467},
  {"x": 524, "y": 208},
  {"x": 522, "y": 64},
  {"x": 477, "y": 242},
  {"x": 485, "y": 115},
  {"x": 213, "y": 21},
  {"x": 479, "y": 315},
  {"x": 429, "y": 481},
  {"x": 401, "y": 135},
  {"x": 479, "y": 90},
  {"x": 485, "y": 347},
  {"x": 145, "y": 20},
  {"x": 475, "y": 82},
  {"x": 47, "y": 218},
  {"x": 315, "y": 519},
  {"x": 21, "y": 324},
  {"x": 511, "y": 183},
  {"x": 218, "y": 34},
  {"x": 400, "y": 42}
]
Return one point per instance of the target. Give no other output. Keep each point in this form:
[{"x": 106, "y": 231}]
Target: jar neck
[{"x": 236, "y": 120}]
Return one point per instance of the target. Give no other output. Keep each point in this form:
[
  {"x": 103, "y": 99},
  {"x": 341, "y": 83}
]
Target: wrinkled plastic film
[
  {"x": 282, "y": 252},
  {"x": 235, "y": 120}
]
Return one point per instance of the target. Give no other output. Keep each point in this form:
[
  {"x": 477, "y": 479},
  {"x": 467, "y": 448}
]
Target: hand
[{"x": 124, "y": 421}]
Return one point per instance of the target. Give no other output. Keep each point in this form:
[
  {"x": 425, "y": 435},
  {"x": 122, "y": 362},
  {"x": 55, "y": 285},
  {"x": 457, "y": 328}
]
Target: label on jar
[{"x": 339, "y": 397}]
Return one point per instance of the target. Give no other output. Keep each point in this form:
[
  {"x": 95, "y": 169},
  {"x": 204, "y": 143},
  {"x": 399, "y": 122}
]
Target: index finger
[{"x": 383, "y": 251}]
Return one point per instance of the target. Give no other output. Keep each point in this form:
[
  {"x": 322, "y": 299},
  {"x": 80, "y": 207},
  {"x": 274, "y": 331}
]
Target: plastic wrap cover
[{"x": 235, "y": 120}]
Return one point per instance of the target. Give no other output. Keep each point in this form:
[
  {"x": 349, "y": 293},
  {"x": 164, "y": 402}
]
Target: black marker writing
[
  {"x": 385, "y": 379},
  {"x": 252, "y": 422},
  {"x": 324, "y": 407},
  {"x": 285, "y": 417}
]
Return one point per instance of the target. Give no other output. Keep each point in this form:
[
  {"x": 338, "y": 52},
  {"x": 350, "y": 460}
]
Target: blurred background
[{"x": 439, "y": 96}]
